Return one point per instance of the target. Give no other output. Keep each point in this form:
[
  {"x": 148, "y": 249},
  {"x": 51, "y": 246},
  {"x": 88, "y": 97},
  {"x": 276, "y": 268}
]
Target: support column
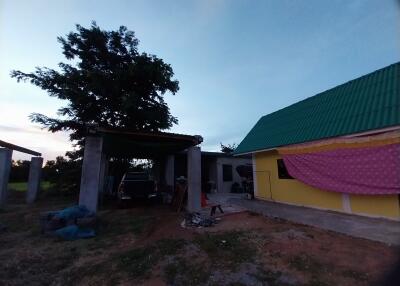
[
  {"x": 346, "y": 203},
  {"x": 35, "y": 172},
  {"x": 194, "y": 179},
  {"x": 170, "y": 171},
  {"x": 5, "y": 168},
  {"x": 103, "y": 172},
  {"x": 103, "y": 177},
  {"x": 91, "y": 171},
  {"x": 253, "y": 157},
  {"x": 220, "y": 182}
]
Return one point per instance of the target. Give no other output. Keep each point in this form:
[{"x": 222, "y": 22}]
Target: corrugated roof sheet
[{"x": 366, "y": 103}]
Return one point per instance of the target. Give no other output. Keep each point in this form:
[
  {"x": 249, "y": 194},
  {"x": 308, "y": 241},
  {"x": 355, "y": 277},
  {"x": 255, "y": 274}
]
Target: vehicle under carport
[{"x": 102, "y": 144}]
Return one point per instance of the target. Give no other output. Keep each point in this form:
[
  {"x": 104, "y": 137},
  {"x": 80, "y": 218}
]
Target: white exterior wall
[
  {"x": 213, "y": 174},
  {"x": 225, "y": 187}
]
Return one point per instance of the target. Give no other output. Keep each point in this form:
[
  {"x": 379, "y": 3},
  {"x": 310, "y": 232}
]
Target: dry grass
[{"x": 147, "y": 245}]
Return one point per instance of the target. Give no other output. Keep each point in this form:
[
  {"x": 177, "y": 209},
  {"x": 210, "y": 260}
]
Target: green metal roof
[{"x": 366, "y": 103}]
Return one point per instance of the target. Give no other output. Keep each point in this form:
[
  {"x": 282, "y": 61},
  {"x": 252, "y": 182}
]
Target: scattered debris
[{"x": 198, "y": 220}]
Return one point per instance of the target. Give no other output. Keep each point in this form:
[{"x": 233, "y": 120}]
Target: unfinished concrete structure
[
  {"x": 5, "y": 167},
  {"x": 218, "y": 170},
  {"x": 103, "y": 144}
]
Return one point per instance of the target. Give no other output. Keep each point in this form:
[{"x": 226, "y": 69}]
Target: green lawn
[{"x": 23, "y": 186}]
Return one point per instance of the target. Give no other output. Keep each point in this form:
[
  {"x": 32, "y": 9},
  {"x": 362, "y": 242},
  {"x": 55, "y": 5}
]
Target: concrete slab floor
[
  {"x": 227, "y": 207},
  {"x": 376, "y": 229}
]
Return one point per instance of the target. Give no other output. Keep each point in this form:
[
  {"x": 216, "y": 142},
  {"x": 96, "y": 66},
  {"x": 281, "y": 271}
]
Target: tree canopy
[
  {"x": 228, "y": 148},
  {"x": 106, "y": 82}
]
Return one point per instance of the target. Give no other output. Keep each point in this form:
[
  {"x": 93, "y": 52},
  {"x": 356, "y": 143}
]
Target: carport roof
[
  {"x": 18, "y": 148},
  {"x": 123, "y": 143}
]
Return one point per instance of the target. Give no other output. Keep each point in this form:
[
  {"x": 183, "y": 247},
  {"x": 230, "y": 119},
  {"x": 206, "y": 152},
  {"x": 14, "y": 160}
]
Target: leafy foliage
[
  {"x": 63, "y": 173},
  {"x": 107, "y": 82},
  {"x": 229, "y": 148},
  {"x": 19, "y": 171}
]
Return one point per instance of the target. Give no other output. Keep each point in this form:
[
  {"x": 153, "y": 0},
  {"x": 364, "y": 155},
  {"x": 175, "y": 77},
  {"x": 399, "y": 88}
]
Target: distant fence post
[
  {"x": 35, "y": 172},
  {"x": 5, "y": 167}
]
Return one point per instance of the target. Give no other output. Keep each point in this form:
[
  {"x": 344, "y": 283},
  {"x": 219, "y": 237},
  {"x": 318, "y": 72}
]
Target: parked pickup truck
[{"x": 137, "y": 185}]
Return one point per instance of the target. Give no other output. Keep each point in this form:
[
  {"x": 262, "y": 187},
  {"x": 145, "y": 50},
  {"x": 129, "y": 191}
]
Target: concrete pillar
[
  {"x": 170, "y": 170},
  {"x": 103, "y": 172},
  {"x": 5, "y": 168},
  {"x": 194, "y": 179},
  {"x": 220, "y": 182},
  {"x": 103, "y": 177},
  {"x": 35, "y": 172},
  {"x": 91, "y": 171},
  {"x": 346, "y": 205},
  {"x": 157, "y": 170}
]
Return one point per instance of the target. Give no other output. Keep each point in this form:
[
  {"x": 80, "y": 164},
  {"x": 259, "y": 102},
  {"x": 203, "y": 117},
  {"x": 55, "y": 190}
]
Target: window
[
  {"x": 227, "y": 173},
  {"x": 282, "y": 171}
]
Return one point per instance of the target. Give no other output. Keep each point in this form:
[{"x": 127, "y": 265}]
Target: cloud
[
  {"x": 49, "y": 144},
  {"x": 19, "y": 129}
]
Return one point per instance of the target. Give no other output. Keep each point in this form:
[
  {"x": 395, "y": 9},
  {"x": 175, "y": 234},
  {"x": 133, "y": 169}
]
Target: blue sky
[{"x": 235, "y": 60}]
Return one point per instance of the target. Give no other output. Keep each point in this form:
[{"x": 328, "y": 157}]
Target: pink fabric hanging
[{"x": 371, "y": 170}]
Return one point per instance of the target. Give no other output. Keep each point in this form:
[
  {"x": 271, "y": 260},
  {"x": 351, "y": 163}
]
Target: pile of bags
[{"x": 70, "y": 223}]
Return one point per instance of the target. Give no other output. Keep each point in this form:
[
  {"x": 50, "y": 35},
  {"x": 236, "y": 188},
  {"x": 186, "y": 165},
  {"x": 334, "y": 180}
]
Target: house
[
  {"x": 218, "y": 170},
  {"x": 338, "y": 150}
]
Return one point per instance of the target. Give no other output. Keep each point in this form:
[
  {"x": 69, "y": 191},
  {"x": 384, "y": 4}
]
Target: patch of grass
[
  {"x": 356, "y": 275},
  {"x": 227, "y": 249},
  {"x": 183, "y": 272},
  {"x": 126, "y": 223},
  {"x": 138, "y": 262},
  {"x": 33, "y": 269},
  {"x": 170, "y": 246},
  {"x": 139, "y": 224},
  {"x": 23, "y": 186},
  {"x": 305, "y": 263},
  {"x": 315, "y": 281},
  {"x": 171, "y": 271},
  {"x": 76, "y": 274},
  {"x": 251, "y": 213},
  {"x": 268, "y": 276},
  {"x": 18, "y": 186}
]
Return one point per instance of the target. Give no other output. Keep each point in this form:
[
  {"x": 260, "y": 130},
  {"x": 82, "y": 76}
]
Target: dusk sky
[{"x": 235, "y": 60}]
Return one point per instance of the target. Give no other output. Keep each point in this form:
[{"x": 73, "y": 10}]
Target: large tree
[
  {"x": 228, "y": 148},
  {"x": 107, "y": 82}
]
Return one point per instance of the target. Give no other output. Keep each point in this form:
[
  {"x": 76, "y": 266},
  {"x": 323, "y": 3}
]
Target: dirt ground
[{"x": 146, "y": 245}]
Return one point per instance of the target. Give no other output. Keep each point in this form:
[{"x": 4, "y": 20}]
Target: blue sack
[
  {"x": 62, "y": 223},
  {"x": 72, "y": 232},
  {"x": 74, "y": 212}
]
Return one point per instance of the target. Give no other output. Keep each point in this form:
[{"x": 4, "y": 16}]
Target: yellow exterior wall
[
  {"x": 385, "y": 206},
  {"x": 292, "y": 191}
]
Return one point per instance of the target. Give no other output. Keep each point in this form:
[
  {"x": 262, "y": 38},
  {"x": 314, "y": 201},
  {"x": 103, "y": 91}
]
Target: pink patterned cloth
[{"x": 371, "y": 170}]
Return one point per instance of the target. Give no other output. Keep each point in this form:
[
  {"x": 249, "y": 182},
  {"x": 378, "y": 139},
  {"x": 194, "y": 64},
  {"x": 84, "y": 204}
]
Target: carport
[
  {"x": 102, "y": 144},
  {"x": 35, "y": 170}
]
